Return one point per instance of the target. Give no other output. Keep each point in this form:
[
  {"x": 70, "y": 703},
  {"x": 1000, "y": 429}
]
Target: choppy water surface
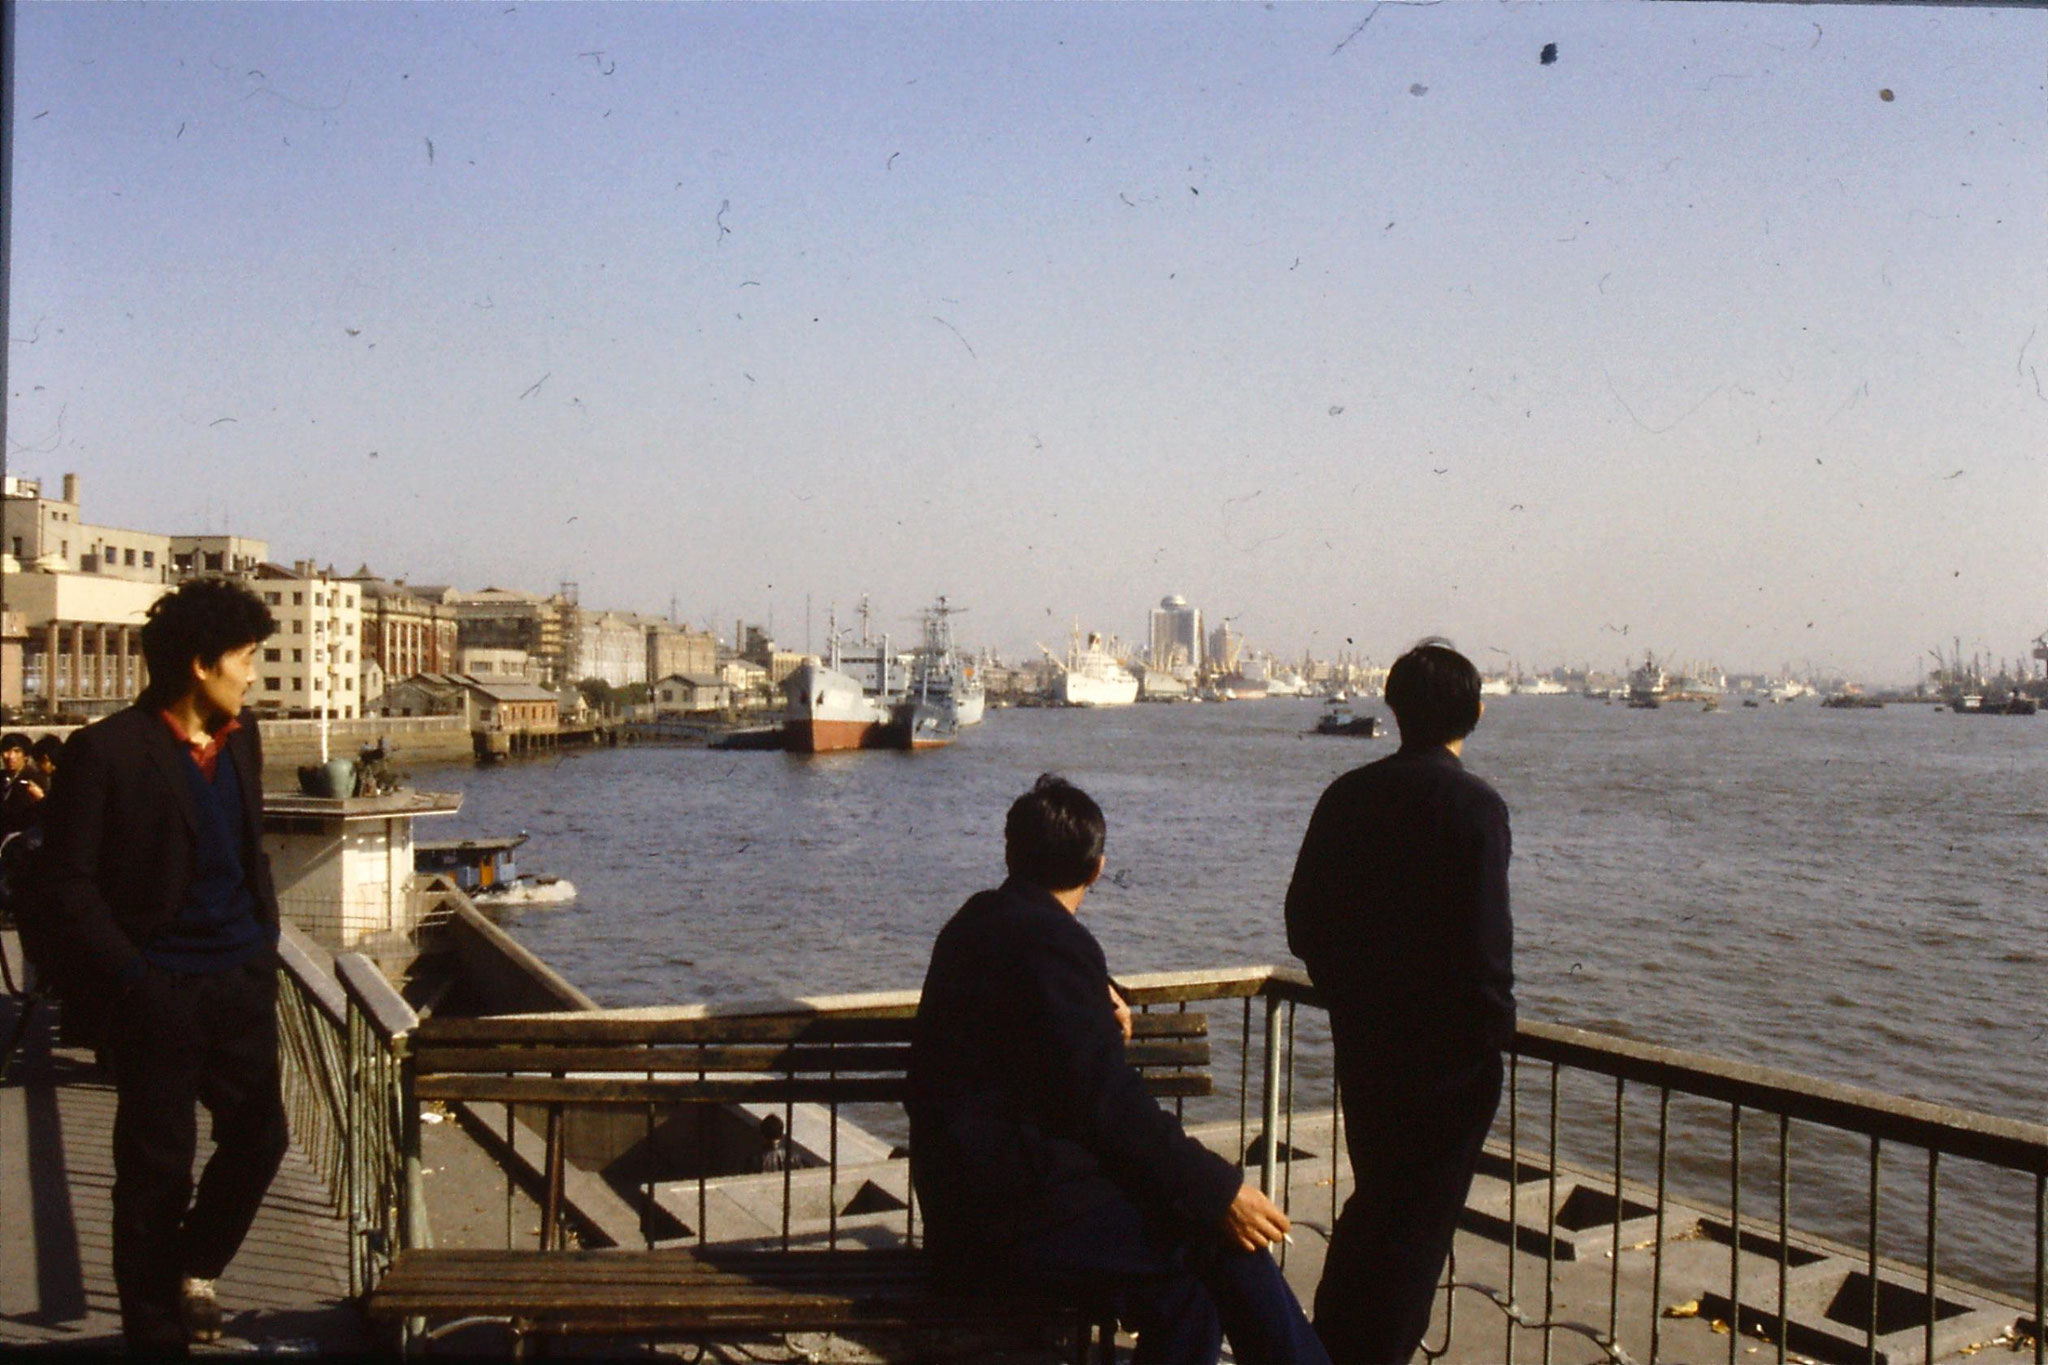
[{"x": 1855, "y": 895}]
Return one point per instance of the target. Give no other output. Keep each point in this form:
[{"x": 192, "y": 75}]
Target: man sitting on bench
[{"x": 1039, "y": 1158}]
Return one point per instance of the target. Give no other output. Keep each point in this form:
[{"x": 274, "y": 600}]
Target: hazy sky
[{"x": 1352, "y": 322}]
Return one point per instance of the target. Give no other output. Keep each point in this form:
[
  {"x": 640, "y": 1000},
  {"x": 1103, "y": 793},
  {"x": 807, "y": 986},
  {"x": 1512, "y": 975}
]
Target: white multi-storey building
[{"x": 314, "y": 660}]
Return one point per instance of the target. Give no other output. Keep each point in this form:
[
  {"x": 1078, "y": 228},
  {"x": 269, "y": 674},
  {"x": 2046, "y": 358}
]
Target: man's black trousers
[
  {"x": 178, "y": 1040},
  {"x": 1413, "y": 1143}
]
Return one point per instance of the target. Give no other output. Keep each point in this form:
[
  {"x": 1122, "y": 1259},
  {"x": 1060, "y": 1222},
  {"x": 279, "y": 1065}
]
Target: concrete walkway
[{"x": 285, "y": 1293}]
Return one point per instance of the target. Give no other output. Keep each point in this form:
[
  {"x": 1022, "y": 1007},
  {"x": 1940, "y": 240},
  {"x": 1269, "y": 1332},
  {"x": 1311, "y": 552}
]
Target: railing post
[
  {"x": 352, "y": 1145},
  {"x": 1269, "y": 1134}
]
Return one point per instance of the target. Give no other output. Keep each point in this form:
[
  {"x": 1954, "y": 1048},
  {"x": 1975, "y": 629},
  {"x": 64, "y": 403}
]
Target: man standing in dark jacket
[
  {"x": 1399, "y": 907},
  {"x": 157, "y": 912},
  {"x": 1038, "y": 1157}
]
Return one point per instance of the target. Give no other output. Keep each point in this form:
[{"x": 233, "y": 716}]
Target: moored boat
[{"x": 1091, "y": 675}]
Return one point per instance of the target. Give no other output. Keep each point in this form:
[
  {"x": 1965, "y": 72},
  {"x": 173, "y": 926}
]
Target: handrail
[
  {"x": 1267, "y": 1105},
  {"x": 371, "y": 992},
  {"x": 319, "y": 986},
  {"x": 2012, "y": 1143}
]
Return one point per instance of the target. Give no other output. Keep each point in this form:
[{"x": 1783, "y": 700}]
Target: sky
[{"x": 1717, "y": 334}]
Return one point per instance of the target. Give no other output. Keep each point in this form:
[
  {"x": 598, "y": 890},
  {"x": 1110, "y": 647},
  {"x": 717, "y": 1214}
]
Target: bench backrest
[{"x": 817, "y": 1059}]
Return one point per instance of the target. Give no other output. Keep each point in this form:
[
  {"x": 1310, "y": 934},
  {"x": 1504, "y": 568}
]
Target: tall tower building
[
  {"x": 1176, "y": 635},
  {"x": 1224, "y": 646}
]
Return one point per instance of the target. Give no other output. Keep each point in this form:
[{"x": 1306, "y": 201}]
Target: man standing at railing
[
  {"x": 1399, "y": 908},
  {"x": 159, "y": 916},
  {"x": 1040, "y": 1161}
]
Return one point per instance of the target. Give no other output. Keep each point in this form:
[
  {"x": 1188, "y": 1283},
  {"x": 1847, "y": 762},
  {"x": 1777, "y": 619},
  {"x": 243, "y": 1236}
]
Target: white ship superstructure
[{"x": 1092, "y": 675}]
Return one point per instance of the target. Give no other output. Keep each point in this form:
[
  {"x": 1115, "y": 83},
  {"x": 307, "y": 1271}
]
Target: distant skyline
[{"x": 1720, "y": 335}]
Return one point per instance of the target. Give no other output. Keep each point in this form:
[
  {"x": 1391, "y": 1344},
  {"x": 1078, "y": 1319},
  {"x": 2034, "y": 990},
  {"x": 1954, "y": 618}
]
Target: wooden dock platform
[{"x": 286, "y": 1293}]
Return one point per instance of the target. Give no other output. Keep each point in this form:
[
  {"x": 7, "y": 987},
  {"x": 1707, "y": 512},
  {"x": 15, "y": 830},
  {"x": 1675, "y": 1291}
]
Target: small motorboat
[
  {"x": 1339, "y": 719},
  {"x": 483, "y": 869}
]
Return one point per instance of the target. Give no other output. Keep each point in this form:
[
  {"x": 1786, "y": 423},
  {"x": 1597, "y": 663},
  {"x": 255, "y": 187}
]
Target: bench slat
[
  {"x": 771, "y": 1058},
  {"x": 684, "y": 1290},
  {"x": 771, "y": 1089},
  {"x": 577, "y": 1028}
]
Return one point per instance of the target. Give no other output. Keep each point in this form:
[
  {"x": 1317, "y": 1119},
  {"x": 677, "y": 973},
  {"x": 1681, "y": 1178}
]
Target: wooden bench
[{"x": 560, "y": 1062}]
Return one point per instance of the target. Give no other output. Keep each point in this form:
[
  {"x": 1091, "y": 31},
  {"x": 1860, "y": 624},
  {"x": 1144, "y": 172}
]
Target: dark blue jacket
[
  {"x": 120, "y": 846},
  {"x": 1024, "y": 1115},
  {"x": 1399, "y": 908}
]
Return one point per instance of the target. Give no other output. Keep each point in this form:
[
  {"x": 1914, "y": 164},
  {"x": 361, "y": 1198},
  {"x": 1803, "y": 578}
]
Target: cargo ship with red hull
[
  {"x": 830, "y": 712},
  {"x": 859, "y": 698}
]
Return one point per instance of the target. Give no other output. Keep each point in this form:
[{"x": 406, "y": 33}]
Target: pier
[{"x": 1636, "y": 1203}]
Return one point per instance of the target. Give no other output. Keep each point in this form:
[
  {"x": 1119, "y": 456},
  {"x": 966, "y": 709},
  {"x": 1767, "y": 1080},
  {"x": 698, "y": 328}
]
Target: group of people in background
[{"x": 1039, "y": 1158}]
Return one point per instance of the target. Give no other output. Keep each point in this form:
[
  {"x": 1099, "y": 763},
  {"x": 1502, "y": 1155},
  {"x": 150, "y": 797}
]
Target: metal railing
[
  {"x": 1634, "y": 1201},
  {"x": 344, "y": 1039},
  {"x": 413, "y": 919}
]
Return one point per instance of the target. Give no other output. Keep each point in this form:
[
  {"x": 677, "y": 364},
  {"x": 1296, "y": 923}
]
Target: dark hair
[
  {"x": 1053, "y": 835},
  {"x": 201, "y": 620},
  {"x": 48, "y": 747},
  {"x": 1433, "y": 691},
  {"x": 15, "y": 739}
]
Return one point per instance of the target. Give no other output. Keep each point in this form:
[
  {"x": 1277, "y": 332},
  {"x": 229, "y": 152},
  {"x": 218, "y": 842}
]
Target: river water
[{"x": 1856, "y": 895}]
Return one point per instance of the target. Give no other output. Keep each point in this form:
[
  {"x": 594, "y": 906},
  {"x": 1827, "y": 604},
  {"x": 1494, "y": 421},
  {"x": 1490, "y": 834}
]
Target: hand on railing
[{"x": 1253, "y": 1222}]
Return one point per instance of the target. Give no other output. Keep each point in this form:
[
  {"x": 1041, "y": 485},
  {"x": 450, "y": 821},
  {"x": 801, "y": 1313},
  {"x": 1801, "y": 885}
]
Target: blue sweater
[{"x": 216, "y": 928}]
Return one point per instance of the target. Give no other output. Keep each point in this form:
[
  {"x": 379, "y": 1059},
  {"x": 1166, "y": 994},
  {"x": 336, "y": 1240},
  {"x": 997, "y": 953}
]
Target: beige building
[
  {"x": 611, "y": 646},
  {"x": 82, "y": 591},
  {"x": 495, "y": 665},
  {"x": 82, "y": 651},
  {"x": 314, "y": 661},
  {"x": 673, "y": 649},
  {"x": 690, "y": 693},
  {"x": 405, "y": 631}
]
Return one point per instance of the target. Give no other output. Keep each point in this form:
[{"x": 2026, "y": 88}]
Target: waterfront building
[
  {"x": 234, "y": 556},
  {"x": 406, "y": 631},
  {"x": 505, "y": 618},
  {"x": 82, "y": 645},
  {"x": 83, "y": 590},
  {"x": 493, "y": 665},
  {"x": 691, "y": 693},
  {"x": 748, "y": 681},
  {"x": 44, "y": 534},
  {"x": 1176, "y": 637},
  {"x": 313, "y": 662},
  {"x": 1225, "y": 645},
  {"x": 673, "y": 649},
  {"x": 611, "y": 647},
  {"x": 499, "y": 704}
]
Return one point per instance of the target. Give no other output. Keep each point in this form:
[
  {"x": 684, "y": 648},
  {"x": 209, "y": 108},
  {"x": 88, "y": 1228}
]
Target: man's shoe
[{"x": 200, "y": 1310}]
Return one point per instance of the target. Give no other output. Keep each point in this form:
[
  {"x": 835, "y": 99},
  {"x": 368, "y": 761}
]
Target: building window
[
  {"x": 273, "y": 684},
  {"x": 270, "y": 598},
  {"x": 298, "y": 627},
  {"x": 213, "y": 560},
  {"x": 128, "y": 558},
  {"x": 319, "y": 599},
  {"x": 298, "y": 684},
  {"x": 149, "y": 559},
  {"x": 271, "y": 656},
  {"x": 298, "y": 599},
  {"x": 348, "y": 684},
  {"x": 298, "y": 656}
]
